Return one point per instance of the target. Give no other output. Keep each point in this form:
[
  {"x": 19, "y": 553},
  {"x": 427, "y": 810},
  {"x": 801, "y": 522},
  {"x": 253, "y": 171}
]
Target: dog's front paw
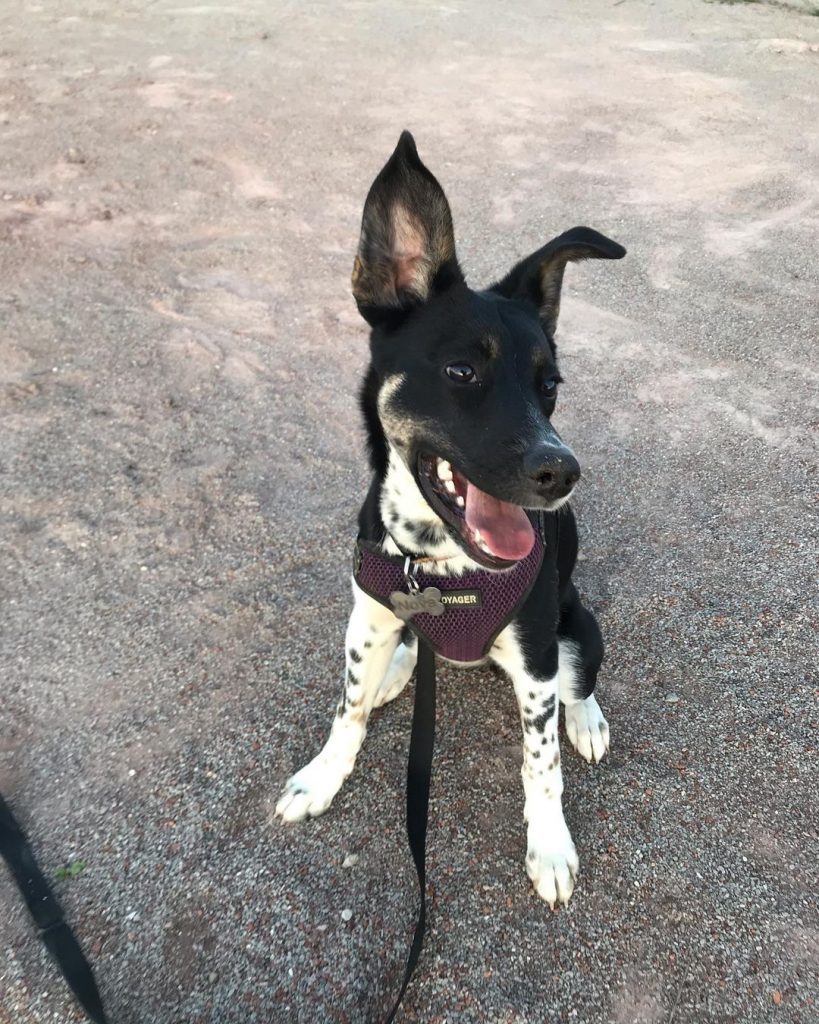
[
  {"x": 552, "y": 864},
  {"x": 587, "y": 729},
  {"x": 310, "y": 791}
]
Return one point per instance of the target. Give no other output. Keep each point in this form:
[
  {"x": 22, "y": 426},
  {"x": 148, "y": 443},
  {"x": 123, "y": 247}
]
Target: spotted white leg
[
  {"x": 551, "y": 859},
  {"x": 587, "y": 729},
  {"x": 372, "y": 636},
  {"x": 399, "y": 672}
]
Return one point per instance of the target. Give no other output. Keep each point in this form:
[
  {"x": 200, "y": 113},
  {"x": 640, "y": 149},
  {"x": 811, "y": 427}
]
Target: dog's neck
[{"x": 413, "y": 527}]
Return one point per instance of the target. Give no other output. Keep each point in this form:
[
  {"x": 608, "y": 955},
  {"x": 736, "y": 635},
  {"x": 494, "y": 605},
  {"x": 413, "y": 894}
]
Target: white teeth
[
  {"x": 450, "y": 486},
  {"x": 459, "y": 501},
  {"x": 478, "y": 536},
  {"x": 444, "y": 470}
]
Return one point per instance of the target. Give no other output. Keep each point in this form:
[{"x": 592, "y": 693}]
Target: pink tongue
[{"x": 505, "y": 528}]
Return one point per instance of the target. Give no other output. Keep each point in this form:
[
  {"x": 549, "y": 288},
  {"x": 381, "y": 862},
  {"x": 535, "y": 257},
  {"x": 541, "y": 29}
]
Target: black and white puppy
[{"x": 458, "y": 402}]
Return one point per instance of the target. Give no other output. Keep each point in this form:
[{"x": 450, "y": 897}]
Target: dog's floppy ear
[
  {"x": 539, "y": 277},
  {"x": 407, "y": 247}
]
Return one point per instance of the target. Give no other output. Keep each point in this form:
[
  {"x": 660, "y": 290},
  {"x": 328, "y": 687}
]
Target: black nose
[{"x": 555, "y": 471}]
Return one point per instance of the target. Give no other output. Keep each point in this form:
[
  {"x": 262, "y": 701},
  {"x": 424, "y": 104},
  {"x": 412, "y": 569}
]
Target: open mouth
[{"x": 494, "y": 533}]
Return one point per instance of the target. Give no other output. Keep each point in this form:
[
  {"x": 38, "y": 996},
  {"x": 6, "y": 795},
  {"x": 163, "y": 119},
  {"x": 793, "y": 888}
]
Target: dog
[{"x": 458, "y": 402}]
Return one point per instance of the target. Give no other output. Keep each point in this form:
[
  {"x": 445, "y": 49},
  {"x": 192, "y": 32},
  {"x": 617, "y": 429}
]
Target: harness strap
[
  {"x": 47, "y": 913},
  {"x": 478, "y": 603},
  {"x": 419, "y": 770}
]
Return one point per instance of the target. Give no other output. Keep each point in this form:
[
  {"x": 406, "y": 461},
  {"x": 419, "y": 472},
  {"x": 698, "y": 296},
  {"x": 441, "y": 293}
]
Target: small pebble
[
  {"x": 346, "y": 914},
  {"x": 213, "y": 977},
  {"x": 74, "y": 156},
  {"x": 672, "y": 698},
  {"x": 350, "y": 860}
]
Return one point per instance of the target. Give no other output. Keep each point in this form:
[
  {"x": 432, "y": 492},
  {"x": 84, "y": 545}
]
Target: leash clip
[{"x": 410, "y": 573}]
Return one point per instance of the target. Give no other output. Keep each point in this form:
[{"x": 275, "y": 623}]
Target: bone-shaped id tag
[
  {"x": 427, "y": 601},
  {"x": 416, "y": 601}
]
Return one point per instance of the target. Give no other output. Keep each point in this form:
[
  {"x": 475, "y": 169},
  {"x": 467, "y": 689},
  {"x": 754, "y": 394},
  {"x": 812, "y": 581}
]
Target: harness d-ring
[{"x": 410, "y": 574}]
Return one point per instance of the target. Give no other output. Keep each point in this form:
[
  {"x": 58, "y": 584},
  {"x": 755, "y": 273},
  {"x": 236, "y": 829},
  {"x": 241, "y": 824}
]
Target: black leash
[
  {"x": 59, "y": 940},
  {"x": 419, "y": 769}
]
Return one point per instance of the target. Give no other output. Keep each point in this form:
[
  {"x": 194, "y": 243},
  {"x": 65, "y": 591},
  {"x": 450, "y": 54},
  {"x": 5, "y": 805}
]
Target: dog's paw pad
[
  {"x": 553, "y": 866},
  {"x": 587, "y": 729},
  {"x": 308, "y": 793}
]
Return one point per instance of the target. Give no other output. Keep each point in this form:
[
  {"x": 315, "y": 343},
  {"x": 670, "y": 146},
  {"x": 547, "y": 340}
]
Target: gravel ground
[{"x": 181, "y": 465}]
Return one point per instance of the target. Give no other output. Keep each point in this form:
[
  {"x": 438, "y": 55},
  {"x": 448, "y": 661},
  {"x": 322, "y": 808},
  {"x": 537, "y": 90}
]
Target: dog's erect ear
[
  {"x": 539, "y": 277},
  {"x": 407, "y": 246}
]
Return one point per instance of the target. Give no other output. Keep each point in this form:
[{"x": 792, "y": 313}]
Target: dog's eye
[
  {"x": 462, "y": 373},
  {"x": 549, "y": 387}
]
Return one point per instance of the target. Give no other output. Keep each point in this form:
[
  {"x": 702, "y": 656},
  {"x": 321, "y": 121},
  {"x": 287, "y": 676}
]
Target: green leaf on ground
[{"x": 74, "y": 868}]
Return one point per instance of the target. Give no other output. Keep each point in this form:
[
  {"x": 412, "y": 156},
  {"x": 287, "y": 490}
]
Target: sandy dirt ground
[{"x": 181, "y": 464}]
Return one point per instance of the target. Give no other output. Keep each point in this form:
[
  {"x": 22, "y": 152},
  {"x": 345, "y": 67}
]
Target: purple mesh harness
[{"x": 477, "y": 605}]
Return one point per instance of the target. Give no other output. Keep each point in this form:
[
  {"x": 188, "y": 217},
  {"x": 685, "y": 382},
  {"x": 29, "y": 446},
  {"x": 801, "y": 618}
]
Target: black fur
[{"x": 496, "y": 428}]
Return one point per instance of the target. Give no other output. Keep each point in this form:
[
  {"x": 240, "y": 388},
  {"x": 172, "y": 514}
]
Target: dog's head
[{"x": 463, "y": 384}]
